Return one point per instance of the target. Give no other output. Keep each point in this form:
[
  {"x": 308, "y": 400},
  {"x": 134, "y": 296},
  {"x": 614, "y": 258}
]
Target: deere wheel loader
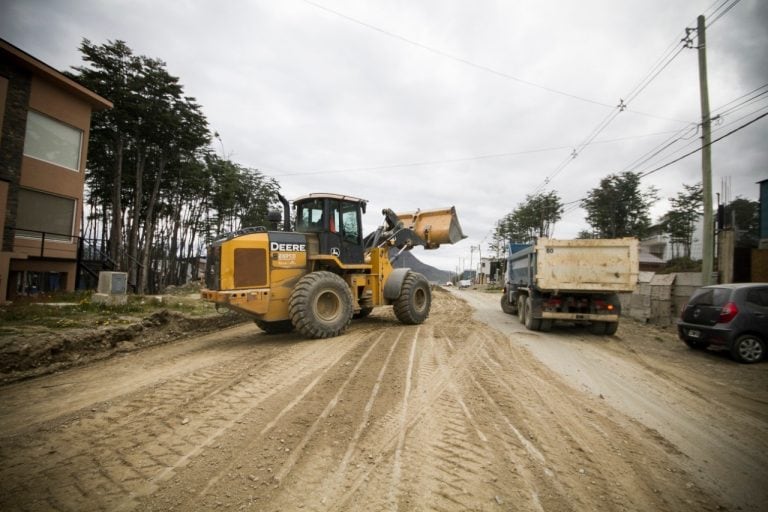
[{"x": 318, "y": 277}]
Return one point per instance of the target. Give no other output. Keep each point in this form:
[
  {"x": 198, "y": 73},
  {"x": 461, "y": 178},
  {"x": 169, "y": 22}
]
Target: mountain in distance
[{"x": 407, "y": 259}]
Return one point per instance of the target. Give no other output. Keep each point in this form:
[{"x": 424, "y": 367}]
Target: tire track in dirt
[
  {"x": 160, "y": 439},
  {"x": 586, "y": 429},
  {"x": 446, "y": 416}
]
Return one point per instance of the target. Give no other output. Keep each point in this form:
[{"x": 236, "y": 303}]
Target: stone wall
[{"x": 12, "y": 142}]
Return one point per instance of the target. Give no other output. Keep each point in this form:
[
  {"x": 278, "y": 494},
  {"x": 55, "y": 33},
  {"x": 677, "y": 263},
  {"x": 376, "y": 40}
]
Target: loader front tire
[
  {"x": 320, "y": 305},
  {"x": 413, "y": 304}
]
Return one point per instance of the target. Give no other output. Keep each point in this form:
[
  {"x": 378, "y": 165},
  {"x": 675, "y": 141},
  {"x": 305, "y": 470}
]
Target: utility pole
[{"x": 708, "y": 243}]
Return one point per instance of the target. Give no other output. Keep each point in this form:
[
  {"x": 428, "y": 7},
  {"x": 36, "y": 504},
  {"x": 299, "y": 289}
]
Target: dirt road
[{"x": 449, "y": 415}]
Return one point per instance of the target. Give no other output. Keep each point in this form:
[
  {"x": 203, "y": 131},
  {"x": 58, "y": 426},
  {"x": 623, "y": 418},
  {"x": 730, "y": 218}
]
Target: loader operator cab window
[
  {"x": 338, "y": 224},
  {"x": 350, "y": 222},
  {"x": 309, "y": 217}
]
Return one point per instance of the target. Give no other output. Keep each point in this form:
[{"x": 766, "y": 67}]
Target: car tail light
[{"x": 728, "y": 313}]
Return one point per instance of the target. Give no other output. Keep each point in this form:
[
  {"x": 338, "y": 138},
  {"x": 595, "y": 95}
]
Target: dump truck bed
[{"x": 596, "y": 265}]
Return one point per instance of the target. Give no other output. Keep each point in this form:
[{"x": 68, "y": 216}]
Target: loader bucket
[{"x": 436, "y": 227}]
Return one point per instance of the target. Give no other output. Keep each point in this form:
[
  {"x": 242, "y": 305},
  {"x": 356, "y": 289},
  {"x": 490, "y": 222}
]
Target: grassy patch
[{"x": 77, "y": 310}]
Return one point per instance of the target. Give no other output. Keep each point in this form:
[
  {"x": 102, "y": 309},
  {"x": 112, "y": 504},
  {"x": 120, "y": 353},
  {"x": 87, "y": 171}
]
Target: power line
[
  {"x": 703, "y": 146},
  {"x": 575, "y": 204},
  {"x": 716, "y": 130},
  {"x": 451, "y": 160},
  {"x": 718, "y": 16},
  {"x": 755, "y": 96},
  {"x": 661, "y": 64},
  {"x": 452, "y": 57},
  {"x": 683, "y": 134}
]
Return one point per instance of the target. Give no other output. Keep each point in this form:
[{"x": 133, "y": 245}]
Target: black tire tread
[
  {"x": 506, "y": 306},
  {"x": 301, "y": 298},
  {"x": 403, "y": 306}
]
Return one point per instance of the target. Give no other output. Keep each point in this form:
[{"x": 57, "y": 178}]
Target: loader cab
[{"x": 338, "y": 222}]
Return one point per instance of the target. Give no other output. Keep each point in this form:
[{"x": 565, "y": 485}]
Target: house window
[
  {"x": 39, "y": 213},
  {"x": 52, "y": 141}
]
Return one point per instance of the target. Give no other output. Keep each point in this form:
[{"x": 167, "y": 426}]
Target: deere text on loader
[{"x": 319, "y": 276}]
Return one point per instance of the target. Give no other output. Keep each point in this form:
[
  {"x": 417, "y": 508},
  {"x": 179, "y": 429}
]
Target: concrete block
[
  {"x": 113, "y": 282},
  {"x": 109, "y": 299}
]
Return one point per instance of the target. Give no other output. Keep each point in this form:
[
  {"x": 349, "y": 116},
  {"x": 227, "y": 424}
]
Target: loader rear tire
[
  {"x": 279, "y": 327},
  {"x": 320, "y": 305},
  {"x": 413, "y": 304}
]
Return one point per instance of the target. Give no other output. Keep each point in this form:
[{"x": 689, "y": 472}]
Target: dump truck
[
  {"x": 571, "y": 280},
  {"x": 319, "y": 271}
]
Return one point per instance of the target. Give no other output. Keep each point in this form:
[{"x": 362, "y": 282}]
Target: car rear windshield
[{"x": 710, "y": 297}]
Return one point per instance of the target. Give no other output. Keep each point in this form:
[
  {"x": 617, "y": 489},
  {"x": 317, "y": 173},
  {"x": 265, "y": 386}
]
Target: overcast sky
[{"x": 425, "y": 104}]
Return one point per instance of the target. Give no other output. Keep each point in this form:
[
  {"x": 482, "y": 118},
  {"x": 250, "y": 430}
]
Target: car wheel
[{"x": 748, "y": 348}]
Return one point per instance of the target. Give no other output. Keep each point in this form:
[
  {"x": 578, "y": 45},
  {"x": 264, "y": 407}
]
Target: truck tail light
[
  {"x": 601, "y": 305},
  {"x": 728, "y": 313}
]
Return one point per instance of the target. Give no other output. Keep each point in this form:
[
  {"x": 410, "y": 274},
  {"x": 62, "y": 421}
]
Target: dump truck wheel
[
  {"x": 521, "y": 309},
  {"x": 532, "y": 324},
  {"x": 364, "y": 312},
  {"x": 506, "y": 306},
  {"x": 413, "y": 304},
  {"x": 279, "y": 327},
  {"x": 320, "y": 305},
  {"x": 611, "y": 328},
  {"x": 598, "y": 328}
]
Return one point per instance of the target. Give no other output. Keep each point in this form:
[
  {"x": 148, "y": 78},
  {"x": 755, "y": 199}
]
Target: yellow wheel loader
[{"x": 319, "y": 276}]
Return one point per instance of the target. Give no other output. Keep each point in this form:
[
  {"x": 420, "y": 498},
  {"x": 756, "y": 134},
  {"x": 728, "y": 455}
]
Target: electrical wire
[
  {"x": 643, "y": 175},
  {"x": 279, "y": 174},
  {"x": 669, "y": 55},
  {"x": 573, "y": 205},
  {"x": 638, "y": 168},
  {"x": 718, "y": 16},
  {"x": 447, "y": 55}
]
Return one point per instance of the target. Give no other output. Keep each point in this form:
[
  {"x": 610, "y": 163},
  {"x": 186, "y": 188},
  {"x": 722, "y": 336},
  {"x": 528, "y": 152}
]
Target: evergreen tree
[
  {"x": 680, "y": 220},
  {"x": 618, "y": 207}
]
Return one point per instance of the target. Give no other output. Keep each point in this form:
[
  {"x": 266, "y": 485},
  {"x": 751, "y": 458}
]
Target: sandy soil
[{"x": 449, "y": 415}]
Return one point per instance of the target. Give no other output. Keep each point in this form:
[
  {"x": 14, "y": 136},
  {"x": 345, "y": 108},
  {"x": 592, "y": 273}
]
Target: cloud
[{"x": 302, "y": 93}]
